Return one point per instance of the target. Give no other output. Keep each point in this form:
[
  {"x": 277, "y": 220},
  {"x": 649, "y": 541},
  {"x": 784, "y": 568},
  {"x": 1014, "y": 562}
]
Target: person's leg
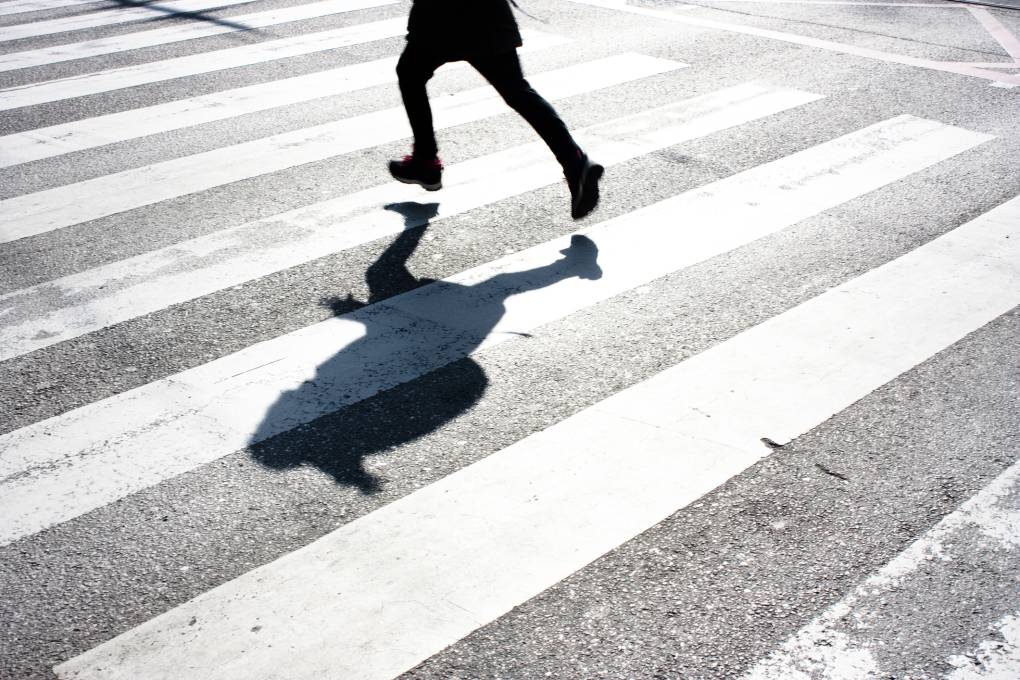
[
  {"x": 504, "y": 72},
  {"x": 415, "y": 67}
]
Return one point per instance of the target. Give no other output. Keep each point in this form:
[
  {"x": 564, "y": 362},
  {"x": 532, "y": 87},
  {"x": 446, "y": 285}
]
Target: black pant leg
[
  {"x": 415, "y": 67},
  {"x": 504, "y": 72}
]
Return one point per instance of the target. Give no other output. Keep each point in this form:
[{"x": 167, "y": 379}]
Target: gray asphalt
[{"x": 707, "y": 592}]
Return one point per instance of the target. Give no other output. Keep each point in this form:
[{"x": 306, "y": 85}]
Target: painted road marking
[
  {"x": 90, "y": 300},
  {"x": 79, "y": 135},
  {"x": 195, "y": 64},
  {"x": 997, "y": 30},
  {"x": 388, "y": 590},
  {"x": 64, "y": 206},
  {"x": 795, "y": 39},
  {"x": 109, "y": 17},
  {"x": 20, "y": 6},
  {"x": 171, "y": 34},
  {"x": 838, "y": 3},
  {"x": 62, "y": 467},
  {"x": 837, "y": 642}
]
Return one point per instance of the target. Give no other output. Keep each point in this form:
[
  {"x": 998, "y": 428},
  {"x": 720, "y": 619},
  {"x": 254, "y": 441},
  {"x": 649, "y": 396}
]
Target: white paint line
[
  {"x": 60, "y": 207},
  {"x": 989, "y": 64},
  {"x": 195, "y": 64},
  {"x": 87, "y": 301},
  {"x": 997, "y": 30},
  {"x": 65, "y": 466},
  {"x": 388, "y": 590},
  {"x": 933, "y": 5},
  {"x": 21, "y": 6},
  {"x": 79, "y": 135},
  {"x": 177, "y": 33},
  {"x": 836, "y": 644},
  {"x": 994, "y": 659},
  {"x": 109, "y": 17},
  {"x": 793, "y": 38}
]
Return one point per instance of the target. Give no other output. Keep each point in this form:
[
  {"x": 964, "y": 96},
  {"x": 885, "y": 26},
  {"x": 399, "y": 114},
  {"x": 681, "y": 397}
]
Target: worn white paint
[
  {"x": 87, "y": 301},
  {"x": 386, "y": 591},
  {"x": 62, "y": 467},
  {"x": 64, "y": 206},
  {"x": 195, "y": 64},
  {"x": 20, "y": 6},
  {"x": 179, "y": 32},
  {"x": 837, "y": 644},
  {"x": 808, "y": 41},
  {"x": 995, "y": 659},
  {"x": 1000, "y": 32}
]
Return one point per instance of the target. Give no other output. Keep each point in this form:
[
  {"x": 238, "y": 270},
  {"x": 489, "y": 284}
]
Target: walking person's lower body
[{"x": 416, "y": 66}]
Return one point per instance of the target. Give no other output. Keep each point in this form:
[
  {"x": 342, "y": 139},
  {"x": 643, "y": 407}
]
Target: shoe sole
[
  {"x": 427, "y": 187},
  {"x": 588, "y": 196}
]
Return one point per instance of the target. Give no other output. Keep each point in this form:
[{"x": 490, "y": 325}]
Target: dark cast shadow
[{"x": 293, "y": 432}]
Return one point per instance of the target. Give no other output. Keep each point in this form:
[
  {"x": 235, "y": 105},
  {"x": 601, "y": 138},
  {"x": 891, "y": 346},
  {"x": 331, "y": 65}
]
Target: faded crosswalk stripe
[
  {"x": 20, "y": 6},
  {"x": 839, "y": 641}
]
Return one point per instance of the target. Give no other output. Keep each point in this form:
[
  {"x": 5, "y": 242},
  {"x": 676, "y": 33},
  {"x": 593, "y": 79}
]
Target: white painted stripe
[
  {"x": 60, "y": 207},
  {"x": 386, "y": 591},
  {"x": 67, "y": 465},
  {"x": 942, "y": 5},
  {"x": 109, "y": 17},
  {"x": 20, "y": 6},
  {"x": 795, "y": 39},
  {"x": 84, "y": 302},
  {"x": 180, "y": 32},
  {"x": 1002, "y": 34},
  {"x": 997, "y": 658},
  {"x": 118, "y": 127},
  {"x": 205, "y": 62},
  {"x": 837, "y": 643}
]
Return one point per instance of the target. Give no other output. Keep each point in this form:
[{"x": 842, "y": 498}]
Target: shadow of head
[{"x": 338, "y": 443}]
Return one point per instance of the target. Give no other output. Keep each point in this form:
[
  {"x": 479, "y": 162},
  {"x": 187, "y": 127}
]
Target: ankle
[{"x": 424, "y": 157}]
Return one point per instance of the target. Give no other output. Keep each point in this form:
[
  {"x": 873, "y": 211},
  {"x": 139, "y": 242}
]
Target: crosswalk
[{"x": 436, "y": 521}]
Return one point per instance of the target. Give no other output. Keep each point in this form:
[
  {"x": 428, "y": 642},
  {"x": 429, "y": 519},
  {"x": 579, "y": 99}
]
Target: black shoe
[
  {"x": 416, "y": 170},
  {"x": 584, "y": 187}
]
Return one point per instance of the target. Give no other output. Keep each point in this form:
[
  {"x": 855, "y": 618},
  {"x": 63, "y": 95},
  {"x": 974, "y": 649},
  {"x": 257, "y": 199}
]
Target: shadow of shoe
[
  {"x": 582, "y": 256},
  {"x": 415, "y": 214}
]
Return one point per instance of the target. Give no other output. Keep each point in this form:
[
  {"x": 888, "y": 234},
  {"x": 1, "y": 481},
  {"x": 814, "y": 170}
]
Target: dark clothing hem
[{"x": 463, "y": 27}]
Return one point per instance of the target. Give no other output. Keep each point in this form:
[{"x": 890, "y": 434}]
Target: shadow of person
[{"x": 420, "y": 343}]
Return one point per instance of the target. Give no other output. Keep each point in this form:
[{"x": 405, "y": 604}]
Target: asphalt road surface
[{"x": 267, "y": 414}]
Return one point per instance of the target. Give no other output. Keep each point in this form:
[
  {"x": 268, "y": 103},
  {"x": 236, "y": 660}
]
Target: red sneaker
[{"x": 427, "y": 173}]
